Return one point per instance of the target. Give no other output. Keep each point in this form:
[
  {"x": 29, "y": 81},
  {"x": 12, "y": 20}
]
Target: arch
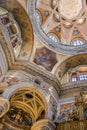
[{"x": 70, "y": 63}]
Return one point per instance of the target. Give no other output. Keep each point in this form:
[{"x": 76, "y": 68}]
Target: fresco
[
  {"x": 65, "y": 111},
  {"x": 46, "y": 58},
  {"x": 9, "y": 81}
]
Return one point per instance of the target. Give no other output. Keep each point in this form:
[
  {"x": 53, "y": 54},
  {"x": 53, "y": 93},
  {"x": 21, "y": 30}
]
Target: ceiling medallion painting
[
  {"x": 61, "y": 24},
  {"x": 45, "y": 58}
]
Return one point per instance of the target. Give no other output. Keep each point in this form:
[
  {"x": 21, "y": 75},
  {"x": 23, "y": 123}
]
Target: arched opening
[{"x": 78, "y": 74}]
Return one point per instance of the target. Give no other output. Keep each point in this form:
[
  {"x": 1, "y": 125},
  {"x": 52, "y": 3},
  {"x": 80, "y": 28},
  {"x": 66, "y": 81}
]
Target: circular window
[
  {"x": 30, "y": 96},
  {"x": 59, "y": 22}
]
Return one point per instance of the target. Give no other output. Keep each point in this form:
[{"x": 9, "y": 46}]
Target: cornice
[
  {"x": 34, "y": 70},
  {"x": 73, "y": 87}
]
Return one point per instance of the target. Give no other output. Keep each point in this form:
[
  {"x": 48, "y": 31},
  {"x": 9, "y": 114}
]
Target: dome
[{"x": 64, "y": 20}]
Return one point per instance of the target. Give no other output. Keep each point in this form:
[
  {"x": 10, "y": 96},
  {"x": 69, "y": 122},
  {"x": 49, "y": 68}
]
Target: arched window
[
  {"x": 74, "y": 77},
  {"x": 78, "y": 74},
  {"x": 83, "y": 73}
]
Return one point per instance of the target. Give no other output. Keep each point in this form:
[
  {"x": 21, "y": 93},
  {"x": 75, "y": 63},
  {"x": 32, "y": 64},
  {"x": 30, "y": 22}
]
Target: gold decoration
[{"x": 76, "y": 118}]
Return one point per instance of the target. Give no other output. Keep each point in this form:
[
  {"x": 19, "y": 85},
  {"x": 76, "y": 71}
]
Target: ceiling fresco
[{"x": 45, "y": 58}]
